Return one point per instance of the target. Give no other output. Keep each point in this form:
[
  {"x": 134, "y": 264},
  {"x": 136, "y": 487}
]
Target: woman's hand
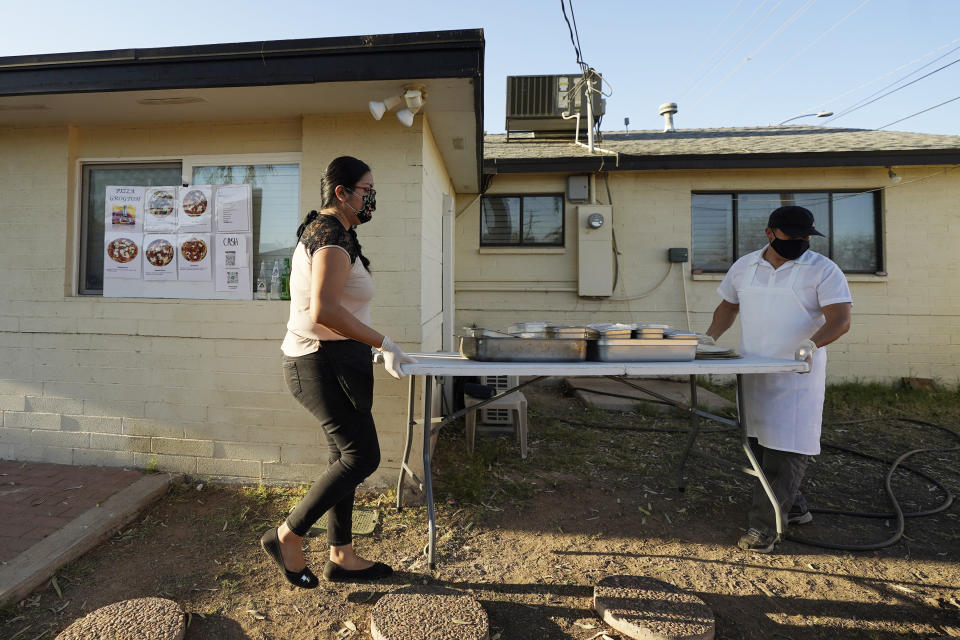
[{"x": 393, "y": 357}]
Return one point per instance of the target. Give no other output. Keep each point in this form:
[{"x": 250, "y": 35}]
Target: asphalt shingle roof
[{"x": 784, "y": 142}]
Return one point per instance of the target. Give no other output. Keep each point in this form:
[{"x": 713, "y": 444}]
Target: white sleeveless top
[{"x": 303, "y": 335}]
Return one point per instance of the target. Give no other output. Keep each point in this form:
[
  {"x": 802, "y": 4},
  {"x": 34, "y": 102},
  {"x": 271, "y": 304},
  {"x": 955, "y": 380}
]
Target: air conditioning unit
[{"x": 536, "y": 103}]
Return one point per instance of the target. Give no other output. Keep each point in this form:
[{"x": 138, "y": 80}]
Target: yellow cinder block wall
[
  {"x": 190, "y": 385},
  {"x": 904, "y": 324}
]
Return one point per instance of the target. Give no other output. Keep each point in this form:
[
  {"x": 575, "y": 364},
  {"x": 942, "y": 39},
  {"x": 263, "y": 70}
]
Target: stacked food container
[{"x": 606, "y": 342}]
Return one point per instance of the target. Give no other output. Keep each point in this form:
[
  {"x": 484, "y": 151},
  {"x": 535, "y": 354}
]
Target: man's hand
[
  {"x": 705, "y": 339},
  {"x": 393, "y": 357},
  {"x": 805, "y": 353}
]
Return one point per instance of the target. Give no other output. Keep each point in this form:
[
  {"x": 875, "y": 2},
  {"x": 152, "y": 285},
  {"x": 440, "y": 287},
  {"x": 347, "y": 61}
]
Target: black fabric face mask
[
  {"x": 365, "y": 213},
  {"x": 790, "y": 249}
]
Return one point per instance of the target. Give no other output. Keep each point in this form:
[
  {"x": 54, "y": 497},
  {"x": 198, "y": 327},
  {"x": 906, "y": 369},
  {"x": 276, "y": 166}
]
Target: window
[
  {"x": 276, "y": 201},
  {"x": 276, "y": 204},
  {"x": 527, "y": 220},
  {"x": 727, "y": 226},
  {"x": 96, "y": 178}
]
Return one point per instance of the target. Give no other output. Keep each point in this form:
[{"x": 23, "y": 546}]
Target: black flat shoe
[
  {"x": 304, "y": 579},
  {"x": 332, "y": 572}
]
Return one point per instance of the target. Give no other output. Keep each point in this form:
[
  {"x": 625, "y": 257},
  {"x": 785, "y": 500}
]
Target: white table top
[{"x": 453, "y": 364}]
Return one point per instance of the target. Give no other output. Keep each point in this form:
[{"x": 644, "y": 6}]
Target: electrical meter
[{"x": 595, "y": 220}]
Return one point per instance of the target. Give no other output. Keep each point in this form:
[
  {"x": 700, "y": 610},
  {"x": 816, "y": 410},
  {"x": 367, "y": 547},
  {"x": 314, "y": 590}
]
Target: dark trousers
[
  {"x": 335, "y": 384},
  {"x": 784, "y": 471}
]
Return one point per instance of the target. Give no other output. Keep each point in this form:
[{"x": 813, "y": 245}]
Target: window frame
[
  {"x": 187, "y": 163},
  {"x": 521, "y": 243},
  {"x": 735, "y": 223}
]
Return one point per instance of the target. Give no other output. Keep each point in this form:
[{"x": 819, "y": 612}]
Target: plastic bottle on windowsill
[
  {"x": 261, "y": 291},
  {"x": 275, "y": 281}
]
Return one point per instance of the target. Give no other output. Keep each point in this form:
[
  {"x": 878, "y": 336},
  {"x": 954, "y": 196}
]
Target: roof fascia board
[
  {"x": 746, "y": 161},
  {"x": 442, "y": 54}
]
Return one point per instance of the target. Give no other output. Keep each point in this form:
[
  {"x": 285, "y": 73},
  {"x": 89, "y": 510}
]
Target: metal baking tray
[
  {"x": 582, "y": 333},
  {"x": 613, "y": 329},
  {"x": 643, "y": 350},
  {"x": 528, "y": 329},
  {"x": 520, "y": 349}
]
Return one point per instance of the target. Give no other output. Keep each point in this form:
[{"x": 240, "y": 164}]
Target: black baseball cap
[{"x": 794, "y": 221}]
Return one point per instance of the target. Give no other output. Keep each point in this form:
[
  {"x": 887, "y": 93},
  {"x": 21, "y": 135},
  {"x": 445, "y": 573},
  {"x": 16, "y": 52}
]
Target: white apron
[{"x": 783, "y": 410}]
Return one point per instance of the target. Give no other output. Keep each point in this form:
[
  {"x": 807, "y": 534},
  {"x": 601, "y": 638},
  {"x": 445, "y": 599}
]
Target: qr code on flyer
[
  {"x": 233, "y": 277},
  {"x": 230, "y": 258}
]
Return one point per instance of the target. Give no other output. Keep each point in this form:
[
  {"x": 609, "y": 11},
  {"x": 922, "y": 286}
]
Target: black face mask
[
  {"x": 365, "y": 213},
  {"x": 790, "y": 249}
]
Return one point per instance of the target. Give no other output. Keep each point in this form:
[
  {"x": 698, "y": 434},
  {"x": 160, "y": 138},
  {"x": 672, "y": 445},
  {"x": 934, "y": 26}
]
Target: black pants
[
  {"x": 335, "y": 384},
  {"x": 784, "y": 471}
]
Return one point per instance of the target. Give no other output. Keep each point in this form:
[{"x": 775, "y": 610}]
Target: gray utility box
[{"x": 536, "y": 103}]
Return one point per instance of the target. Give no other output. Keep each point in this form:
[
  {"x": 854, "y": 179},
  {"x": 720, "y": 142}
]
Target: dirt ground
[{"x": 530, "y": 538}]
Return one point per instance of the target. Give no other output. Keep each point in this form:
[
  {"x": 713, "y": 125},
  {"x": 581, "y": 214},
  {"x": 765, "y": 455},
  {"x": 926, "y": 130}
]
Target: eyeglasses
[{"x": 368, "y": 190}]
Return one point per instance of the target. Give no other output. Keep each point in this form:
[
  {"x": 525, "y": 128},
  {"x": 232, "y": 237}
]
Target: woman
[{"x": 328, "y": 368}]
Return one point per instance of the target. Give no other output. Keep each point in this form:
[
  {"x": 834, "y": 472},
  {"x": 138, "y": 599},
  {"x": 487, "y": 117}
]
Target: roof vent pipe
[{"x": 667, "y": 109}]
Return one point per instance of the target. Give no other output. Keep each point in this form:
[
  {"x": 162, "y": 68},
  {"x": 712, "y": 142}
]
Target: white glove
[
  {"x": 393, "y": 357},
  {"x": 805, "y": 353},
  {"x": 704, "y": 339}
]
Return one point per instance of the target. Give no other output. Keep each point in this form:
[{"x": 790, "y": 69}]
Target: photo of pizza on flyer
[
  {"x": 160, "y": 209},
  {"x": 194, "y": 203},
  {"x": 193, "y": 249},
  {"x": 122, "y": 250},
  {"x": 159, "y": 253}
]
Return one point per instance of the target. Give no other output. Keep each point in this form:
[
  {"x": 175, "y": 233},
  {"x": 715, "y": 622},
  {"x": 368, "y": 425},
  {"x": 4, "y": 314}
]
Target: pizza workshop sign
[{"x": 178, "y": 242}]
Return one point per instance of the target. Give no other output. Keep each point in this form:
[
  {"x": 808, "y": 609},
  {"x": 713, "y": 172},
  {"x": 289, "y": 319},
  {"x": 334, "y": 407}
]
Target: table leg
[
  {"x": 756, "y": 471},
  {"x": 411, "y": 398},
  {"x": 694, "y": 432},
  {"x": 427, "y": 478}
]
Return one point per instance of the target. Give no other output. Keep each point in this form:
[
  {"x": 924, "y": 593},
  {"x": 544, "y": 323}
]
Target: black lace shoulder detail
[{"x": 326, "y": 230}]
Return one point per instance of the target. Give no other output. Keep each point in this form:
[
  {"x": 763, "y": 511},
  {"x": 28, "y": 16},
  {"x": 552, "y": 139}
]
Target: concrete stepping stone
[
  {"x": 138, "y": 619},
  {"x": 648, "y": 609},
  {"x": 428, "y": 613}
]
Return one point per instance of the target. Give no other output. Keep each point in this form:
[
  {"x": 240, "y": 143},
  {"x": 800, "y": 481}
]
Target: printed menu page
[
  {"x": 194, "y": 260},
  {"x": 196, "y": 208},
  {"x": 232, "y": 262},
  {"x": 123, "y": 209},
  {"x": 160, "y": 256},
  {"x": 160, "y": 205},
  {"x": 234, "y": 206},
  {"x": 122, "y": 254}
]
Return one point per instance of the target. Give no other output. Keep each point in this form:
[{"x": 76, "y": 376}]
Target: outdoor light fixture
[
  {"x": 894, "y": 178},
  {"x": 412, "y": 99}
]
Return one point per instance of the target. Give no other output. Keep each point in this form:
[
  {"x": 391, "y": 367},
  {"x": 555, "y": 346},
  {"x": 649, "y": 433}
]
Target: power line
[
  {"x": 706, "y": 40},
  {"x": 796, "y": 15},
  {"x": 904, "y": 86},
  {"x": 882, "y": 76},
  {"x": 724, "y": 44},
  {"x": 815, "y": 41},
  {"x": 919, "y": 112},
  {"x": 574, "y": 41}
]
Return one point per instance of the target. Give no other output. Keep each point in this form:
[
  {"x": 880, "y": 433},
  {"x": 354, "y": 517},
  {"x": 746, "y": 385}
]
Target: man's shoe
[
  {"x": 754, "y": 540},
  {"x": 799, "y": 515},
  {"x": 332, "y": 572}
]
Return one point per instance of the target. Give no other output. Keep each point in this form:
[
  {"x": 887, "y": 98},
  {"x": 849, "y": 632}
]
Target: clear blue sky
[{"x": 725, "y": 62}]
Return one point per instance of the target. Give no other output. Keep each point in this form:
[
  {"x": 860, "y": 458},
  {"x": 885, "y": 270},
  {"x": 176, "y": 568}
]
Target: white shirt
[
  {"x": 303, "y": 336},
  {"x": 821, "y": 282}
]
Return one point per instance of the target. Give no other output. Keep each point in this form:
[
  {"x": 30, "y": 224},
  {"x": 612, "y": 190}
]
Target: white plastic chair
[{"x": 515, "y": 404}]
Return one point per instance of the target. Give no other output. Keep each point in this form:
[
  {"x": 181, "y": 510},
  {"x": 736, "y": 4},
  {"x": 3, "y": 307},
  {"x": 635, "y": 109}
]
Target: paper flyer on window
[
  {"x": 122, "y": 255},
  {"x": 234, "y": 206},
  {"x": 123, "y": 209},
  {"x": 232, "y": 261},
  {"x": 160, "y": 209},
  {"x": 195, "y": 210},
  {"x": 160, "y": 256},
  {"x": 193, "y": 260}
]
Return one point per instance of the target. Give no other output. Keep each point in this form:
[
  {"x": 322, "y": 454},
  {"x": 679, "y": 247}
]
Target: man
[{"x": 792, "y": 302}]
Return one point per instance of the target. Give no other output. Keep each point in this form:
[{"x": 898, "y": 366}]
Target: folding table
[{"x": 429, "y": 365}]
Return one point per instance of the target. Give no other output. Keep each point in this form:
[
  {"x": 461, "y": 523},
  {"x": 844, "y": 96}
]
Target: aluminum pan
[
  {"x": 644, "y": 350},
  {"x": 488, "y": 349}
]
